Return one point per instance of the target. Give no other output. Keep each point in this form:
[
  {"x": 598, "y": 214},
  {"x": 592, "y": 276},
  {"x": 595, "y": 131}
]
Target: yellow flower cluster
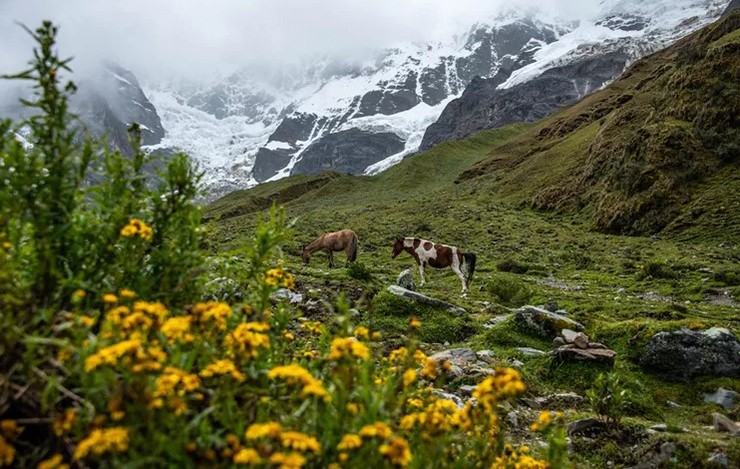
[
  {"x": 506, "y": 382},
  {"x": 288, "y": 460},
  {"x": 212, "y": 312},
  {"x": 137, "y": 227},
  {"x": 111, "y": 355},
  {"x": 520, "y": 459},
  {"x": 300, "y": 442},
  {"x": 349, "y": 442},
  {"x": 247, "y": 338},
  {"x": 7, "y": 452},
  {"x": 397, "y": 451},
  {"x": 54, "y": 462},
  {"x": 441, "y": 415},
  {"x": 545, "y": 419},
  {"x": 257, "y": 431},
  {"x": 348, "y": 347},
  {"x": 175, "y": 381},
  {"x": 100, "y": 441},
  {"x": 279, "y": 277},
  {"x": 223, "y": 367},
  {"x": 247, "y": 456},
  {"x": 177, "y": 329},
  {"x": 291, "y": 440},
  {"x": 64, "y": 422},
  {"x": 296, "y": 374}
]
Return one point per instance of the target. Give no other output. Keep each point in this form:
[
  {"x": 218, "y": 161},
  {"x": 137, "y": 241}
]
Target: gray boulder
[
  {"x": 724, "y": 397},
  {"x": 462, "y": 357},
  {"x": 685, "y": 354},
  {"x": 725, "y": 424},
  {"x": 406, "y": 280},
  {"x": 542, "y": 322},
  {"x": 411, "y": 295}
]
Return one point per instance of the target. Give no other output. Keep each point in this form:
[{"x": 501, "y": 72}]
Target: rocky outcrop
[
  {"x": 428, "y": 300},
  {"x": 348, "y": 151},
  {"x": 685, "y": 354},
  {"x": 542, "y": 322},
  {"x": 406, "y": 280},
  {"x": 109, "y": 103},
  {"x": 484, "y": 106},
  {"x": 724, "y": 397},
  {"x": 577, "y": 346}
]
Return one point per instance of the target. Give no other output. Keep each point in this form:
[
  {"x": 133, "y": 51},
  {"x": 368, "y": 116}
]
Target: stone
[
  {"x": 565, "y": 400},
  {"x": 552, "y": 306},
  {"x": 573, "y": 337},
  {"x": 530, "y": 352},
  {"x": 718, "y": 459},
  {"x": 723, "y": 423},
  {"x": 661, "y": 427},
  {"x": 486, "y": 356},
  {"x": 434, "y": 302},
  {"x": 569, "y": 335},
  {"x": 685, "y": 354},
  {"x": 543, "y": 323},
  {"x": 462, "y": 357},
  {"x": 496, "y": 320},
  {"x": 724, "y": 397},
  {"x": 513, "y": 419},
  {"x": 466, "y": 389},
  {"x": 675, "y": 405},
  {"x": 561, "y": 312},
  {"x": 558, "y": 342},
  {"x": 583, "y": 425},
  {"x": 581, "y": 341},
  {"x": 406, "y": 280},
  {"x": 571, "y": 352}
]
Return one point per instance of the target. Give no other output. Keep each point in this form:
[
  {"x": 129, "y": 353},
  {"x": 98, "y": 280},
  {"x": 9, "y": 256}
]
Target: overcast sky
[{"x": 196, "y": 38}]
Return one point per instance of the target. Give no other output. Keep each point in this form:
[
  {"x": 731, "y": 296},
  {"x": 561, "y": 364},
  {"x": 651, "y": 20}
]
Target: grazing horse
[
  {"x": 438, "y": 256},
  {"x": 345, "y": 240}
]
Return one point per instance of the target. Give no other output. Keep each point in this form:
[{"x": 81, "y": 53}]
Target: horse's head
[
  {"x": 305, "y": 256},
  {"x": 397, "y": 247}
]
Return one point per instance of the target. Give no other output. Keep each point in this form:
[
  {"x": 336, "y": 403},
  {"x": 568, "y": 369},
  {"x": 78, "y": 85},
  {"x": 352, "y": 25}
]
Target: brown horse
[
  {"x": 345, "y": 240},
  {"x": 438, "y": 256}
]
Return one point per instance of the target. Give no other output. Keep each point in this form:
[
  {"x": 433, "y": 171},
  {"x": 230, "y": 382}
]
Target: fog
[{"x": 196, "y": 39}]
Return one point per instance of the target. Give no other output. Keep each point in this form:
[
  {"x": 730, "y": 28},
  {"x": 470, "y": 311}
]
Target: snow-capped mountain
[{"x": 364, "y": 117}]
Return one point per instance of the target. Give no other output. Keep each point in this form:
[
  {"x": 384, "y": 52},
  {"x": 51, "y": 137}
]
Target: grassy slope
[{"x": 594, "y": 276}]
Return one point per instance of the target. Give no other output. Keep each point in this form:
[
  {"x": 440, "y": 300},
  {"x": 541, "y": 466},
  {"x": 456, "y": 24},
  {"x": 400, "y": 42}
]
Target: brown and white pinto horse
[
  {"x": 345, "y": 240},
  {"x": 438, "y": 256}
]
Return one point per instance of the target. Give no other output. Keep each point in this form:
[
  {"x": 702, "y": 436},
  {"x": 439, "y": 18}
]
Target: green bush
[
  {"x": 656, "y": 270},
  {"x": 359, "y": 271},
  {"x": 608, "y": 398},
  {"x": 508, "y": 290},
  {"x": 513, "y": 266}
]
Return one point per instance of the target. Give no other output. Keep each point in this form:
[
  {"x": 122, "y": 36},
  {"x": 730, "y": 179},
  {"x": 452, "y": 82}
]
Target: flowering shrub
[{"x": 110, "y": 372}]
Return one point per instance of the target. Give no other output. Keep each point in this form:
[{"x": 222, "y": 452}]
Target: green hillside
[{"x": 546, "y": 208}]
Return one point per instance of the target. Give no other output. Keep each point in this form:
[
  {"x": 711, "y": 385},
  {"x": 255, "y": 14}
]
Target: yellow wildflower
[
  {"x": 175, "y": 381},
  {"x": 10, "y": 428},
  {"x": 177, "y": 328},
  {"x": 353, "y": 408},
  {"x": 212, "y": 312},
  {"x": 79, "y": 294},
  {"x": 376, "y": 336},
  {"x": 100, "y": 441},
  {"x": 247, "y": 456},
  {"x": 7, "y": 452},
  {"x": 7, "y": 245},
  {"x": 409, "y": 376},
  {"x": 376, "y": 430},
  {"x": 247, "y": 338},
  {"x": 54, "y": 462},
  {"x": 300, "y": 442},
  {"x": 349, "y": 442},
  {"x": 222, "y": 367},
  {"x": 397, "y": 451},
  {"x": 361, "y": 332},
  {"x": 126, "y": 293},
  {"x": 87, "y": 321},
  {"x": 296, "y": 374},
  {"x": 262, "y": 430},
  {"x": 110, "y": 298},
  {"x": 349, "y": 347},
  {"x": 288, "y": 461},
  {"x": 414, "y": 323},
  {"x": 111, "y": 354}
]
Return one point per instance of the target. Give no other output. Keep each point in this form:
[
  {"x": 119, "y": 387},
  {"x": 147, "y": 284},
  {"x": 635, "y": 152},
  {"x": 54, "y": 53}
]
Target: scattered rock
[
  {"x": 571, "y": 352},
  {"x": 573, "y": 337},
  {"x": 406, "y": 280},
  {"x": 516, "y": 363},
  {"x": 355, "y": 313},
  {"x": 561, "y": 312},
  {"x": 684, "y": 354},
  {"x": 292, "y": 297},
  {"x": 466, "y": 389},
  {"x": 724, "y": 397},
  {"x": 661, "y": 427},
  {"x": 496, "y": 320},
  {"x": 402, "y": 292},
  {"x": 513, "y": 419},
  {"x": 584, "y": 425},
  {"x": 552, "y": 306},
  {"x": 462, "y": 357},
  {"x": 718, "y": 459},
  {"x": 675, "y": 405},
  {"x": 543, "y": 322},
  {"x": 486, "y": 356},
  {"x": 558, "y": 342},
  {"x": 724, "y": 424},
  {"x": 530, "y": 352}
]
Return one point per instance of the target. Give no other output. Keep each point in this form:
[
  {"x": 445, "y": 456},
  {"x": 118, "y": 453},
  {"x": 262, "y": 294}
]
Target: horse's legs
[
  {"x": 458, "y": 271},
  {"x": 421, "y": 272},
  {"x": 331, "y": 258}
]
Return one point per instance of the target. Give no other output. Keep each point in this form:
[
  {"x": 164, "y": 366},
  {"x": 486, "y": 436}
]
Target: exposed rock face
[
  {"x": 349, "y": 151},
  {"x": 406, "y": 280},
  {"x": 542, "y": 322},
  {"x": 113, "y": 101},
  {"x": 724, "y": 397},
  {"x": 402, "y": 292},
  {"x": 684, "y": 354},
  {"x": 484, "y": 106},
  {"x": 734, "y": 5}
]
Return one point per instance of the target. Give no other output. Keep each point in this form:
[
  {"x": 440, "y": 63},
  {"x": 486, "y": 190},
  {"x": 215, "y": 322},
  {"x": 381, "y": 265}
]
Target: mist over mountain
[{"x": 310, "y": 95}]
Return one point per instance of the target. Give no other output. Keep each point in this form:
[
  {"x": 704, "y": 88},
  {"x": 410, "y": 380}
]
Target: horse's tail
[
  {"x": 353, "y": 249},
  {"x": 469, "y": 261}
]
